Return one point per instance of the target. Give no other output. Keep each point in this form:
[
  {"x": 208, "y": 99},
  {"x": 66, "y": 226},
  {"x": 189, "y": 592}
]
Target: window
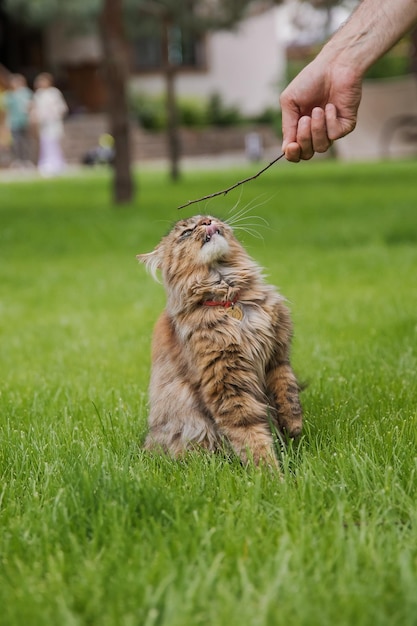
[{"x": 179, "y": 48}]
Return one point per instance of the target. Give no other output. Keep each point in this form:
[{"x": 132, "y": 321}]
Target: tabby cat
[{"x": 220, "y": 355}]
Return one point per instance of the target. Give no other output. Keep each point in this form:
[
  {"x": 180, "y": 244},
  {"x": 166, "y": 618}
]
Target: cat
[{"x": 220, "y": 353}]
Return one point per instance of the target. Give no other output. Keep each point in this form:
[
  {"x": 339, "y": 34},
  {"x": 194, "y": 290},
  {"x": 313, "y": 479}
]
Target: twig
[{"x": 226, "y": 191}]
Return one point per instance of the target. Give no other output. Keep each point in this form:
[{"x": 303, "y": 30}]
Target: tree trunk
[
  {"x": 116, "y": 73},
  {"x": 171, "y": 107}
]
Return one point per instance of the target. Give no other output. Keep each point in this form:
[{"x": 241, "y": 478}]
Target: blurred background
[{"x": 164, "y": 80}]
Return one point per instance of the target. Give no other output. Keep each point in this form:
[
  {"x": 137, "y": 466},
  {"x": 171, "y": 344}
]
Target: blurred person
[
  {"x": 5, "y": 137},
  {"x": 49, "y": 109},
  {"x": 17, "y": 101},
  {"x": 321, "y": 103}
]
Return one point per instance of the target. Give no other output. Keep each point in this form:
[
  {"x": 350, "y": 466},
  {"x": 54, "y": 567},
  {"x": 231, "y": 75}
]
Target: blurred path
[{"x": 221, "y": 161}]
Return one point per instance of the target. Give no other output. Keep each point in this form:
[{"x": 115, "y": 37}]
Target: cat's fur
[{"x": 214, "y": 377}]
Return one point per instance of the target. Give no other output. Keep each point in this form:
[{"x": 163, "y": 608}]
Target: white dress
[{"x": 49, "y": 110}]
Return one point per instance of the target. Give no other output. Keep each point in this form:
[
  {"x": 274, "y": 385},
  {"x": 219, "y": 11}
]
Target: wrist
[{"x": 351, "y": 54}]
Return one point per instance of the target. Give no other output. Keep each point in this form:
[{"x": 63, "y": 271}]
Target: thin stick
[{"x": 226, "y": 191}]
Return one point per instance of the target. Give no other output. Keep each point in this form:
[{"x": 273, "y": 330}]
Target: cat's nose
[
  {"x": 211, "y": 226},
  {"x": 212, "y": 229}
]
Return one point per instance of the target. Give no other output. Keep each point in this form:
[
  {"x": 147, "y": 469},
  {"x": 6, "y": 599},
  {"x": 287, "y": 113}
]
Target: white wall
[{"x": 382, "y": 101}]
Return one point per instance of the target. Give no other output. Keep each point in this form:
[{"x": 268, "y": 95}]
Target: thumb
[{"x": 338, "y": 127}]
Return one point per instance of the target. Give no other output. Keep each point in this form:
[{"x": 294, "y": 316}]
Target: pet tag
[{"x": 236, "y": 312}]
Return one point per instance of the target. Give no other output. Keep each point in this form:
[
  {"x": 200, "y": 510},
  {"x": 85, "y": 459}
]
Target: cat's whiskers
[
  {"x": 250, "y": 231},
  {"x": 244, "y": 219},
  {"x": 258, "y": 221},
  {"x": 248, "y": 227},
  {"x": 244, "y": 210},
  {"x": 237, "y": 203},
  {"x": 253, "y": 221},
  {"x": 247, "y": 209}
]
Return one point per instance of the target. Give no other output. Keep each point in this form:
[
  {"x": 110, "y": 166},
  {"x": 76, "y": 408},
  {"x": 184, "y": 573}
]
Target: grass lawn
[{"x": 95, "y": 532}]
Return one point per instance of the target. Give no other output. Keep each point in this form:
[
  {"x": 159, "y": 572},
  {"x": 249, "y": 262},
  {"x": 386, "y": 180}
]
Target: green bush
[
  {"x": 390, "y": 65},
  {"x": 269, "y": 117},
  {"x": 192, "y": 112},
  {"x": 149, "y": 111},
  {"x": 218, "y": 114}
]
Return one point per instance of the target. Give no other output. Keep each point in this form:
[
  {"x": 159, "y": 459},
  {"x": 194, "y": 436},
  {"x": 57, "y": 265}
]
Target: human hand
[{"x": 318, "y": 106}]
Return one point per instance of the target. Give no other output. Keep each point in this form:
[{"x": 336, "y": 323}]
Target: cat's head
[{"x": 193, "y": 244}]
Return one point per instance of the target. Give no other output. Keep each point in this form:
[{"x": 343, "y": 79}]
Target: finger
[
  {"x": 321, "y": 141},
  {"x": 290, "y": 117},
  {"x": 304, "y": 138},
  {"x": 292, "y": 152}
]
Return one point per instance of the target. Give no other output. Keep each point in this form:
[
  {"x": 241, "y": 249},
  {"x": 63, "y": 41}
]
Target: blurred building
[{"x": 245, "y": 66}]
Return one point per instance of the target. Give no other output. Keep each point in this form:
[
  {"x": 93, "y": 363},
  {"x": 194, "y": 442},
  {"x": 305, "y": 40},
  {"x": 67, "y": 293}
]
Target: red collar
[{"x": 225, "y": 303}]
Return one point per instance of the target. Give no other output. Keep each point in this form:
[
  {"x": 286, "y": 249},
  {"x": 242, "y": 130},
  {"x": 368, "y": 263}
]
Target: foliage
[
  {"x": 218, "y": 114},
  {"x": 43, "y": 11},
  {"x": 196, "y": 14},
  {"x": 192, "y": 112},
  {"x": 95, "y": 531},
  {"x": 271, "y": 117},
  {"x": 329, "y": 4},
  {"x": 150, "y": 111},
  {"x": 395, "y": 63}
]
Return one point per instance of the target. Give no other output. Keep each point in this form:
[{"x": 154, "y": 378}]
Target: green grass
[{"x": 95, "y": 532}]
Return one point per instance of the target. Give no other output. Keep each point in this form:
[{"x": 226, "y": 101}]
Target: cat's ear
[{"x": 152, "y": 261}]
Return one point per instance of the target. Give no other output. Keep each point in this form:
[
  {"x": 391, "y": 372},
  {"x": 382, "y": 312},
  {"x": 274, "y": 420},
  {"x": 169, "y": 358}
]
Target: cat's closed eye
[{"x": 186, "y": 233}]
